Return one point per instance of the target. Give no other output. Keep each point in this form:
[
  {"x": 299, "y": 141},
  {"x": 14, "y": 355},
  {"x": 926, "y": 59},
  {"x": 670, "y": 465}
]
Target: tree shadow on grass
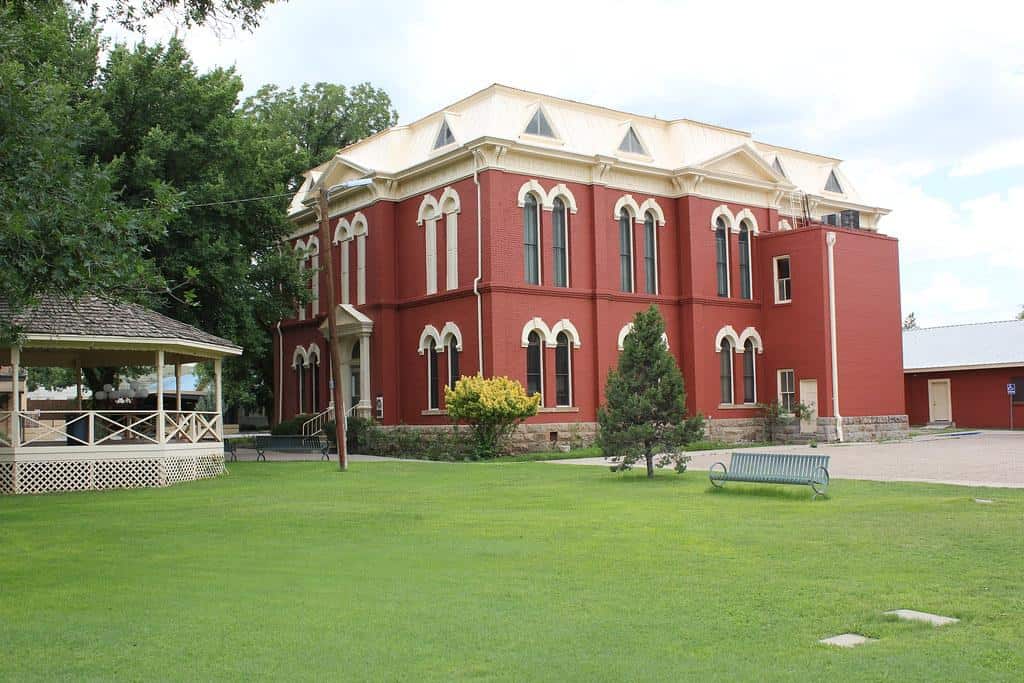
[{"x": 801, "y": 493}]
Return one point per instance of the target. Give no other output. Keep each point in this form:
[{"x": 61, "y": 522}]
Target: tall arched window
[
  {"x": 749, "y": 383},
  {"x": 560, "y": 242},
  {"x": 650, "y": 255},
  {"x": 531, "y": 239},
  {"x": 625, "y": 251},
  {"x": 725, "y": 372},
  {"x": 453, "y": 362},
  {"x": 433, "y": 395},
  {"x": 722, "y": 256},
  {"x": 534, "y": 365},
  {"x": 744, "y": 246},
  {"x": 314, "y": 381},
  {"x": 563, "y": 371},
  {"x": 300, "y": 371},
  {"x": 354, "y": 383}
]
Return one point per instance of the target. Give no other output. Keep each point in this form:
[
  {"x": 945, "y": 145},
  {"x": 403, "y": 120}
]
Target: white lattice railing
[
  {"x": 316, "y": 424},
  {"x": 108, "y": 427}
]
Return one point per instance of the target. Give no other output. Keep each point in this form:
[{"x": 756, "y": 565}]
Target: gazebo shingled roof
[{"x": 94, "y": 316}]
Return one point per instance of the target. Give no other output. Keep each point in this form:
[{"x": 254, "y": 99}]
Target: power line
[{"x": 221, "y": 203}]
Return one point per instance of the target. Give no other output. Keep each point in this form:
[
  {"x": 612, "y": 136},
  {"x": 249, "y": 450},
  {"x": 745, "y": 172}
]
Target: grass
[{"x": 438, "y": 571}]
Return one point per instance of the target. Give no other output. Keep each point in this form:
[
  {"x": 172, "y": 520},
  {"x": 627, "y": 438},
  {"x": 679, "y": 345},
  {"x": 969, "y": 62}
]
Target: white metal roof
[{"x": 979, "y": 345}]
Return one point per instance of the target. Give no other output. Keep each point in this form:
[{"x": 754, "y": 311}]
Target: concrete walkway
[{"x": 990, "y": 458}]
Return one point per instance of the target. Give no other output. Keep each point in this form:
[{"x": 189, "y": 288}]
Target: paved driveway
[{"x": 986, "y": 459}]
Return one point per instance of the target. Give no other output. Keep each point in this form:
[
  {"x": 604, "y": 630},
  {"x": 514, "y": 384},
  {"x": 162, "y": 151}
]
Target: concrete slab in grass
[
  {"x": 984, "y": 501},
  {"x": 847, "y": 640},
  {"x": 914, "y": 615}
]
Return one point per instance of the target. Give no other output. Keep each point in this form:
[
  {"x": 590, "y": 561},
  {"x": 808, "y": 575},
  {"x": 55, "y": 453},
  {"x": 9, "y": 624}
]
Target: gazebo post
[
  {"x": 160, "y": 396},
  {"x": 218, "y": 398},
  {"x": 78, "y": 384},
  {"x": 177, "y": 386},
  {"x": 15, "y": 398}
]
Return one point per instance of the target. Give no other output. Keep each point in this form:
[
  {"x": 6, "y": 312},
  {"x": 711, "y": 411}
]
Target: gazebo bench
[
  {"x": 773, "y": 468},
  {"x": 292, "y": 444}
]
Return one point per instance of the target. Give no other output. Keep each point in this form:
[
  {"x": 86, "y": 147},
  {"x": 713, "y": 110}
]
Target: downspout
[
  {"x": 280, "y": 373},
  {"x": 830, "y": 239},
  {"x": 479, "y": 268}
]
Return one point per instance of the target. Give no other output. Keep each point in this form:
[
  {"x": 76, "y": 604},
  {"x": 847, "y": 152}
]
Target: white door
[
  {"x": 809, "y": 397},
  {"x": 939, "y": 401}
]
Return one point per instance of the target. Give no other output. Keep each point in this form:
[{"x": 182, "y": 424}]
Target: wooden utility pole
[{"x": 327, "y": 255}]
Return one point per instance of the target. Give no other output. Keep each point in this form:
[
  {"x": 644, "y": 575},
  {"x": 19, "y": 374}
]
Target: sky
[{"x": 924, "y": 102}]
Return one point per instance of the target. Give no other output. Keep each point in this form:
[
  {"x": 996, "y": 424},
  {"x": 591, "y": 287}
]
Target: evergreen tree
[{"x": 645, "y": 410}]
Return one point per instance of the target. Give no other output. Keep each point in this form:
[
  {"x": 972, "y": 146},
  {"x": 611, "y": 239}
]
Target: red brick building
[
  {"x": 517, "y": 234},
  {"x": 959, "y": 375}
]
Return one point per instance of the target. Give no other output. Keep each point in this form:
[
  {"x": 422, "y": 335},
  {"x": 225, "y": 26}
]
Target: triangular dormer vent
[
  {"x": 631, "y": 143},
  {"x": 444, "y": 136},
  {"x": 832, "y": 184},
  {"x": 539, "y": 125}
]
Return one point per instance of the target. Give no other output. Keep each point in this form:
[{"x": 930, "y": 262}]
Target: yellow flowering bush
[{"x": 492, "y": 407}]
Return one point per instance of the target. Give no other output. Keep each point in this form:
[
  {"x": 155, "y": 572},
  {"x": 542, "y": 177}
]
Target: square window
[
  {"x": 787, "y": 390},
  {"x": 783, "y": 280}
]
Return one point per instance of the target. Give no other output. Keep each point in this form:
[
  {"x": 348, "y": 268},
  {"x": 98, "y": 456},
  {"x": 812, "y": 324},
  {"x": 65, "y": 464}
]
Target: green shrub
[
  {"x": 405, "y": 442},
  {"x": 290, "y": 427},
  {"x": 492, "y": 407}
]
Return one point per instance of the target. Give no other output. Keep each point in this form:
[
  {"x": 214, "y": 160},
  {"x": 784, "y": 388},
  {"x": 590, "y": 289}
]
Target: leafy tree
[
  {"x": 910, "y": 322},
  {"x": 164, "y": 123},
  {"x": 323, "y": 117},
  {"x": 645, "y": 410},
  {"x": 1020, "y": 316},
  {"x": 63, "y": 229},
  {"x": 492, "y": 406},
  {"x": 217, "y": 13}
]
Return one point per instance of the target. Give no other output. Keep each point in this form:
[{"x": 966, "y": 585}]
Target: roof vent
[
  {"x": 631, "y": 143},
  {"x": 539, "y": 125},
  {"x": 444, "y": 136},
  {"x": 777, "y": 165},
  {"x": 832, "y": 185}
]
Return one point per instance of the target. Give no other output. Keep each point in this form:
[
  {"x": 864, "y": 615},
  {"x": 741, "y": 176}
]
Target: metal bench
[
  {"x": 230, "y": 450},
  {"x": 773, "y": 468},
  {"x": 291, "y": 444}
]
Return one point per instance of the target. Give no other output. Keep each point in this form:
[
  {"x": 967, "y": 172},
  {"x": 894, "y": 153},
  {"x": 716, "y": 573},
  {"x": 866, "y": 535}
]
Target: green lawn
[{"x": 518, "y": 571}]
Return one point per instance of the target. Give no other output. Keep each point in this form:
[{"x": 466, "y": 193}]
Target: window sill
[
  {"x": 737, "y": 406},
  {"x": 434, "y": 411},
  {"x": 559, "y": 409},
  {"x": 787, "y": 302}
]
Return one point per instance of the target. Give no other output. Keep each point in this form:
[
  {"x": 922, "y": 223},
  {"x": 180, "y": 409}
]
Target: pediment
[
  {"x": 744, "y": 162},
  {"x": 340, "y": 170}
]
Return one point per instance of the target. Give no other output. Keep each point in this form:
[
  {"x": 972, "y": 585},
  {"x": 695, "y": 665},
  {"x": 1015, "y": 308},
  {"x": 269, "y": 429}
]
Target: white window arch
[
  {"x": 751, "y": 334},
  {"x": 428, "y": 216},
  {"x": 532, "y": 187},
  {"x": 451, "y": 339},
  {"x": 566, "y": 326},
  {"x": 561, "y": 191},
  {"x": 300, "y": 359},
  {"x": 727, "y": 332},
  {"x": 428, "y": 334},
  {"x": 628, "y": 327},
  {"x": 746, "y": 216},
  {"x": 451, "y": 207},
  {"x": 538, "y": 325},
  {"x": 725, "y": 214},
  {"x": 626, "y": 201}
]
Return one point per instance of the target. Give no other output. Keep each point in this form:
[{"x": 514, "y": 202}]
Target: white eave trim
[
  {"x": 957, "y": 368},
  {"x": 127, "y": 343}
]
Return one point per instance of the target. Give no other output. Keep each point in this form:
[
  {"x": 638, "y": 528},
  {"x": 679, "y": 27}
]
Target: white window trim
[
  {"x": 778, "y": 384},
  {"x": 750, "y": 258},
  {"x": 361, "y": 269},
  {"x": 632, "y": 246},
  {"x": 450, "y": 357},
  {"x": 732, "y": 373},
  {"x": 540, "y": 233},
  {"x": 568, "y": 273},
  {"x": 430, "y": 377},
  {"x": 754, "y": 357},
  {"x": 428, "y": 215},
  {"x": 543, "y": 343},
  {"x": 728, "y": 260},
  {"x": 775, "y": 273},
  {"x": 657, "y": 266}
]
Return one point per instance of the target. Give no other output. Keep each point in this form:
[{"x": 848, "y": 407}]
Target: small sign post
[{"x": 1011, "y": 391}]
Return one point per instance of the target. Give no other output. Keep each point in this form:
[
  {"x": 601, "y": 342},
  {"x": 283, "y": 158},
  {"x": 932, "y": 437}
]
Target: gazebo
[{"x": 124, "y": 439}]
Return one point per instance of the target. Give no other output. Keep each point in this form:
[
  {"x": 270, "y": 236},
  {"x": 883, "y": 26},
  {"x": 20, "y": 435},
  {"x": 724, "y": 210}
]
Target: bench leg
[
  {"x": 720, "y": 481},
  {"x": 260, "y": 456}
]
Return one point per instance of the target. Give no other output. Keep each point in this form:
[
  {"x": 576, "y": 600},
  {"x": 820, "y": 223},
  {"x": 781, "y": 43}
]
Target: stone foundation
[
  {"x": 532, "y": 437},
  {"x": 862, "y": 428}
]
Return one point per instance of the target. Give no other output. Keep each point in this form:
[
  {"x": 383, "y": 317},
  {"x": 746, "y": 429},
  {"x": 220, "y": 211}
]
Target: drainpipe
[
  {"x": 479, "y": 267},
  {"x": 280, "y": 373},
  {"x": 830, "y": 239}
]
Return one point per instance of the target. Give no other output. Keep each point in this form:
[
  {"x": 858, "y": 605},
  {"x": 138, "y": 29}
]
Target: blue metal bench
[
  {"x": 773, "y": 468},
  {"x": 291, "y": 444}
]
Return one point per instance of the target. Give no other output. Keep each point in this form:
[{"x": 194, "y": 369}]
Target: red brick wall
[
  {"x": 795, "y": 335},
  {"x": 979, "y": 397}
]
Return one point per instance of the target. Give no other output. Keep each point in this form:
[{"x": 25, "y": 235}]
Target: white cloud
[
  {"x": 948, "y": 300},
  {"x": 995, "y": 157}
]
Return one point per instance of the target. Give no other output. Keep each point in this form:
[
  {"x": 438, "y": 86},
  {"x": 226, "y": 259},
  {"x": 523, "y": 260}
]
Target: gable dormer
[
  {"x": 832, "y": 184},
  {"x": 540, "y": 125},
  {"x": 631, "y": 143},
  {"x": 444, "y": 136}
]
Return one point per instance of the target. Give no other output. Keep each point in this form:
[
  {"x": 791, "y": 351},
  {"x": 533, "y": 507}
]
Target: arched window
[
  {"x": 625, "y": 251},
  {"x": 563, "y": 370},
  {"x": 531, "y": 239},
  {"x": 534, "y": 365},
  {"x": 428, "y": 216},
  {"x": 314, "y": 381},
  {"x": 453, "y": 362},
  {"x": 749, "y": 381},
  {"x": 354, "y": 384},
  {"x": 450, "y": 207},
  {"x": 314, "y": 259},
  {"x": 650, "y": 255},
  {"x": 744, "y": 246},
  {"x": 560, "y": 242},
  {"x": 722, "y": 256},
  {"x": 725, "y": 373},
  {"x": 432, "y": 379},
  {"x": 300, "y": 372}
]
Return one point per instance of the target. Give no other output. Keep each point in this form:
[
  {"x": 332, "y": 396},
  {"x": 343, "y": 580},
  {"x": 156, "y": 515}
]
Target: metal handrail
[{"x": 318, "y": 421}]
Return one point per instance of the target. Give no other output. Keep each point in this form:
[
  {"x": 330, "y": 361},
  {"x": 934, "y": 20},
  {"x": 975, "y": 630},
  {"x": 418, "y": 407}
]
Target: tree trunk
[{"x": 650, "y": 466}]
